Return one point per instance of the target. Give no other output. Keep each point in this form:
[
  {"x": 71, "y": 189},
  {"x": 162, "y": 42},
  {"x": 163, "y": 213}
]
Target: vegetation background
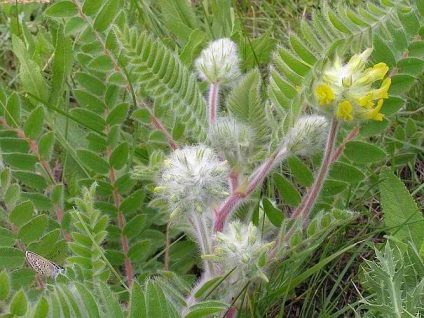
[{"x": 80, "y": 104}]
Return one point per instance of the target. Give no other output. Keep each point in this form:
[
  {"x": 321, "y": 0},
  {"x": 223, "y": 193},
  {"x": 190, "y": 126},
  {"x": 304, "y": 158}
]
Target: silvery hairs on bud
[
  {"x": 193, "y": 179},
  {"x": 307, "y": 136},
  {"x": 219, "y": 62}
]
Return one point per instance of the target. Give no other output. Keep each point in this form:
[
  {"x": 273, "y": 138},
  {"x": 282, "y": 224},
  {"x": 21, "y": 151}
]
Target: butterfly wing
[{"x": 42, "y": 265}]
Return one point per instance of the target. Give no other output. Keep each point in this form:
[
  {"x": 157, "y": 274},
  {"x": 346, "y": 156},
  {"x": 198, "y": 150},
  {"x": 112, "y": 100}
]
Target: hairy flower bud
[
  {"x": 232, "y": 140},
  {"x": 307, "y": 136},
  {"x": 219, "y": 62},
  {"x": 240, "y": 247},
  {"x": 193, "y": 179}
]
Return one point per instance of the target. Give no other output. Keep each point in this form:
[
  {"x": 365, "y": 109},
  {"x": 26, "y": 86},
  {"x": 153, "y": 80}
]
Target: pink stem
[
  {"x": 238, "y": 196},
  {"x": 213, "y": 103},
  {"x": 311, "y": 196}
]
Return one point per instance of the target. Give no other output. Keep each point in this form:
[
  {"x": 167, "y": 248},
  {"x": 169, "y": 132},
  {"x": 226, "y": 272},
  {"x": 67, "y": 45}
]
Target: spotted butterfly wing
[{"x": 43, "y": 266}]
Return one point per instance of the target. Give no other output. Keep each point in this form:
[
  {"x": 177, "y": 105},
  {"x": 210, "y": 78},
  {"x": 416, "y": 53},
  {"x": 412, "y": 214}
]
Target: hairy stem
[
  {"x": 203, "y": 234},
  {"x": 213, "y": 103},
  {"x": 237, "y": 196},
  {"x": 311, "y": 196}
]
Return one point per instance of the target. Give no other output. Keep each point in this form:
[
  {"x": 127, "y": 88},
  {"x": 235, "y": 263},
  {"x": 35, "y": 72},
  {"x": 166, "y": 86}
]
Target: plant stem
[
  {"x": 204, "y": 237},
  {"x": 311, "y": 196},
  {"x": 213, "y": 103},
  {"x": 239, "y": 194}
]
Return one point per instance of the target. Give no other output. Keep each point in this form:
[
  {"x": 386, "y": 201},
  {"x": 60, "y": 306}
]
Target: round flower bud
[
  {"x": 193, "y": 179},
  {"x": 232, "y": 140},
  {"x": 307, "y": 136},
  {"x": 219, "y": 62},
  {"x": 240, "y": 247}
]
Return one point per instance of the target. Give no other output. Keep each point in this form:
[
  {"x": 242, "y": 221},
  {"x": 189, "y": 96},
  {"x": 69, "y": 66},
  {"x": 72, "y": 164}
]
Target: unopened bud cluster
[
  {"x": 346, "y": 90},
  {"x": 307, "y": 136},
  {"x": 219, "y": 62},
  {"x": 231, "y": 139},
  {"x": 193, "y": 179},
  {"x": 240, "y": 247}
]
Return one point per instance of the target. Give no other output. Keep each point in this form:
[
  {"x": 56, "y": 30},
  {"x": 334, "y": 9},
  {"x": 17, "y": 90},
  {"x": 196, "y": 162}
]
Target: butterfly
[{"x": 43, "y": 266}]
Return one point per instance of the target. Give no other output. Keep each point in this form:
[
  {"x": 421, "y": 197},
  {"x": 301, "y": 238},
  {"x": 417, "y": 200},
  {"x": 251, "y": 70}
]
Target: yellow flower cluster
[{"x": 346, "y": 89}]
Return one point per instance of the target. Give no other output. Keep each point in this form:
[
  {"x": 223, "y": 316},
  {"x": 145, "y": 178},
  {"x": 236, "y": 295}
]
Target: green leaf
[
  {"x": 411, "y": 66},
  {"x": 119, "y": 156},
  {"x": 206, "y": 309},
  {"x": 89, "y": 101},
  {"x": 179, "y": 17},
  {"x": 101, "y": 63},
  {"x": 19, "y": 304},
  {"x": 373, "y": 127},
  {"x": 40, "y": 201},
  {"x": 21, "y": 214},
  {"x": 7, "y": 237},
  {"x": 88, "y": 300},
  {"x": 156, "y": 303},
  {"x": 42, "y": 308},
  {"x": 288, "y": 192},
  {"x": 13, "y": 110},
  {"x": 93, "y": 161},
  {"x": 118, "y": 114},
  {"x": 300, "y": 171},
  {"x": 109, "y": 302},
  {"x": 133, "y": 202},
  {"x": 134, "y": 226},
  {"x": 392, "y": 105},
  {"x": 62, "y": 65},
  {"x": 142, "y": 115},
  {"x": 63, "y": 9},
  {"x": 362, "y": 152},
  {"x": 90, "y": 83},
  {"x": 137, "y": 302},
  {"x": 91, "y": 7},
  {"x": 125, "y": 183},
  {"x": 193, "y": 47},
  {"x": 161, "y": 74},
  {"x": 45, "y": 145},
  {"x": 106, "y": 15},
  {"x": 383, "y": 52},
  {"x": 32, "y": 230},
  {"x": 246, "y": 105},
  {"x": 34, "y": 124},
  {"x": 139, "y": 251},
  {"x": 74, "y": 25},
  {"x": 20, "y": 161},
  {"x": 209, "y": 286},
  {"x": 31, "y": 179},
  {"x": 30, "y": 73},
  {"x": 12, "y": 195},
  {"x": 333, "y": 187},
  {"x": 4, "y": 285},
  {"x": 401, "y": 214},
  {"x": 344, "y": 172},
  {"x": 401, "y": 83},
  {"x": 274, "y": 215},
  {"x": 11, "y": 257}
]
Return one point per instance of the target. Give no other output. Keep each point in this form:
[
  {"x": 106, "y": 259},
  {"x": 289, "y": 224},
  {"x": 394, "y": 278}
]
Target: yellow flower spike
[
  {"x": 325, "y": 94},
  {"x": 345, "y": 111},
  {"x": 382, "y": 91},
  {"x": 375, "y": 113}
]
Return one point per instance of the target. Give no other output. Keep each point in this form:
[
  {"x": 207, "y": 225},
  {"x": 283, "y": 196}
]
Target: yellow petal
[
  {"x": 344, "y": 111},
  {"x": 375, "y": 113},
  {"x": 325, "y": 94},
  {"x": 382, "y": 91}
]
